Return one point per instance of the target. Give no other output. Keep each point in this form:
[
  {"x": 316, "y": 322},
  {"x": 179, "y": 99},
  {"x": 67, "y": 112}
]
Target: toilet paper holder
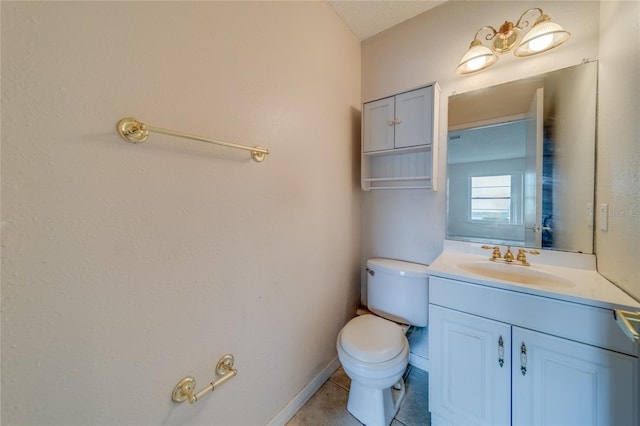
[{"x": 184, "y": 390}]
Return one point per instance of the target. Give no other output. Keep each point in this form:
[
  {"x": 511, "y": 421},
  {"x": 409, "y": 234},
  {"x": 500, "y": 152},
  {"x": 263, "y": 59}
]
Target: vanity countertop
[{"x": 579, "y": 282}]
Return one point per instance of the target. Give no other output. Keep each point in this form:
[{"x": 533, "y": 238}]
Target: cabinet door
[
  {"x": 378, "y": 125},
  {"x": 414, "y": 118},
  {"x": 561, "y": 382},
  {"x": 469, "y": 378}
]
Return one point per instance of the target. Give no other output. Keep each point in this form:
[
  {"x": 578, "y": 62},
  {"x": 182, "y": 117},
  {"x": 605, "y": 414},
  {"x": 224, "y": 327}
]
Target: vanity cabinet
[
  {"x": 512, "y": 366},
  {"x": 560, "y": 382},
  {"x": 469, "y": 374},
  {"x": 399, "y": 139}
]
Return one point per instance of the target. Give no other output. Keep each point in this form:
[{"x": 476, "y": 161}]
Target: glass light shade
[
  {"x": 477, "y": 58},
  {"x": 544, "y": 35}
]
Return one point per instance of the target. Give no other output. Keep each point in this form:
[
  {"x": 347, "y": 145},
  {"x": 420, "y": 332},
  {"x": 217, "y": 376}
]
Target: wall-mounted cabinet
[{"x": 399, "y": 140}]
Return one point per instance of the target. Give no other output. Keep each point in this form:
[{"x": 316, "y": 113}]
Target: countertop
[{"x": 589, "y": 287}]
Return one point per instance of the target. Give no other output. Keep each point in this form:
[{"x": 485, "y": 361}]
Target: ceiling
[{"x": 367, "y": 18}]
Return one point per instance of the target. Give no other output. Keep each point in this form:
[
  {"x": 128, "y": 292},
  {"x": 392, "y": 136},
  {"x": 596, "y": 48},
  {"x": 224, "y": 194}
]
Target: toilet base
[{"x": 375, "y": 407}]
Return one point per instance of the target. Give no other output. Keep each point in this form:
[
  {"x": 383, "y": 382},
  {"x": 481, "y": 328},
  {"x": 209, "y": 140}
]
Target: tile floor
[{"x": 328, "y": 406}]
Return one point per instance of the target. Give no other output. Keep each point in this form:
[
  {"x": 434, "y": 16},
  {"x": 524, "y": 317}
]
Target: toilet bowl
[
  {"x": 373, "y": 349},
  {"x": 374, "y": 353}
]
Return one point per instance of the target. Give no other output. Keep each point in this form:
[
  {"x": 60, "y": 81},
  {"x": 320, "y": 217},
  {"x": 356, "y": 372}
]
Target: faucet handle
[
  {"x": 496, "y": 251},
  {"x": 522, "y": 257},
  {"x": 530, "y": 251}
]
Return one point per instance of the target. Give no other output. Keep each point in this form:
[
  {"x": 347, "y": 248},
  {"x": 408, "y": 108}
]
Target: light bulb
[
  {"x": 541, "y": 43},
  {"x": 476, "y": 63}
]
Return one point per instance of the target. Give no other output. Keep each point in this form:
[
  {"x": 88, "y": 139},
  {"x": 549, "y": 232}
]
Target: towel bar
[
  {"x": 629, "y": 322},
  {"x": 136, "y": 131}
]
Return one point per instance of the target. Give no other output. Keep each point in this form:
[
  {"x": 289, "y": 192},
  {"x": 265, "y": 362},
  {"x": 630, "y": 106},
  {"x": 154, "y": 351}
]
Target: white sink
[
  {"x": 571, "y": 277},
  {"x": 515, "y": 273}
]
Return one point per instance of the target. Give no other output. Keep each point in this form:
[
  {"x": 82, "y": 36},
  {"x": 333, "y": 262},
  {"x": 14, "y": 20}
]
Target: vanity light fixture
[{"x": 542, "y": 36}]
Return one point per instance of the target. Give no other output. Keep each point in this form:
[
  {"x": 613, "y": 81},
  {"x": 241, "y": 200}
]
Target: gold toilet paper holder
[{"x": 184, "y": 390}]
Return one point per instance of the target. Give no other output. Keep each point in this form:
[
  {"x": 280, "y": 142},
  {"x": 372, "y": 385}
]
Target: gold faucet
[
  {"x": 520, "y": 258},
  {"x": 508, "y": 256}
]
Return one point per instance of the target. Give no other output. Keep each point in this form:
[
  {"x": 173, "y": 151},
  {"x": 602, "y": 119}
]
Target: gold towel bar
[
  {"x": 629, "y": 322},
  {"x": 183, "y": 391},
  {"x": 134, "y": 130}
]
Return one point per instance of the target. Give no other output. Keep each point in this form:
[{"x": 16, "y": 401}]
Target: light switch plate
[{"x": 603, "y": 213}]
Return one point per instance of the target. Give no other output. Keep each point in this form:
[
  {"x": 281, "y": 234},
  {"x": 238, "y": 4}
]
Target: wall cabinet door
[
  {"x": 378, "y": 125},
  {"x": 561, "y": 382},
  {"x": 400, "y": 121},
  {"x": 414, "y": 118},
  {"x": 470, "y": 378}
]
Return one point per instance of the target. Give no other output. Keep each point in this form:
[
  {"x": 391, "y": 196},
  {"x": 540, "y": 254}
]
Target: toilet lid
[{"x": 372, "y": 339}]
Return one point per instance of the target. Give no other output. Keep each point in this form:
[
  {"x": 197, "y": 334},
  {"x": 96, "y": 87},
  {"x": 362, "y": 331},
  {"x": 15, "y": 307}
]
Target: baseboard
[
  {"x": 303, "y": 396},
  {"x": 419, "y": 362}
]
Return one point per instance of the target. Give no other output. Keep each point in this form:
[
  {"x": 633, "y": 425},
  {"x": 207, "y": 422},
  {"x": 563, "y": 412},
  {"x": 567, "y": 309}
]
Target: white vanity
[{"x": 528, "y": 345}]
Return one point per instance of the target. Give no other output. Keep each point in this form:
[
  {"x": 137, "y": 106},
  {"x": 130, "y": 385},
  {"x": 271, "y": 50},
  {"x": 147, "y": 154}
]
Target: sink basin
[{"x": 515, "y": 273}]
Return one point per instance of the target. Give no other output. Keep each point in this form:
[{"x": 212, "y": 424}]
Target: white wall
[
  {"x": 409, "y": 224},
  {"x": 618, "y": 162},
  {"x": 126, "y": 267}
]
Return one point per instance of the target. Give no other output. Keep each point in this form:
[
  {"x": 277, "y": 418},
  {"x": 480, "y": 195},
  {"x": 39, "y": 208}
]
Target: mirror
[{"x": 521, "y": 162}]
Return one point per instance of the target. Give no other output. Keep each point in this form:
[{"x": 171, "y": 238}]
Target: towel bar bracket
[
  {"x": 133, "y": 130},
  {"x": 183, "y": 389}
]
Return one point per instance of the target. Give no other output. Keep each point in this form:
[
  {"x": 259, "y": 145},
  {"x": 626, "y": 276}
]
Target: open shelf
[
  {"x": 405, "y": 168},
  {"x": 408, "y": 150}
]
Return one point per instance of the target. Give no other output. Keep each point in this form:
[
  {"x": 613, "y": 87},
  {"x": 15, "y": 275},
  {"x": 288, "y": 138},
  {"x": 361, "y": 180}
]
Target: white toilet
[{"x": 373, "y": 349}]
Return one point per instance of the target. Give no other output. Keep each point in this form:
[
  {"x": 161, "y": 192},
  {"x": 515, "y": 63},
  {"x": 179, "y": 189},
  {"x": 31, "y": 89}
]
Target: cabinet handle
[
  {"x": 391, "y": 122},
  {"x": 523, "y": 359},
  {"x": 500, "y": 352},
  {"x": 397, "y": 121}
]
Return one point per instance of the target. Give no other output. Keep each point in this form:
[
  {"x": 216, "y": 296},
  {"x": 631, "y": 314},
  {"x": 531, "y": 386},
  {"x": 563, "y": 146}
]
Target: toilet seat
[{"x": 371, "y": 339}]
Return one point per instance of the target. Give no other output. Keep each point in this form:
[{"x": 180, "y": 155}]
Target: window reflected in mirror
[{"x": 491, "y": 199}]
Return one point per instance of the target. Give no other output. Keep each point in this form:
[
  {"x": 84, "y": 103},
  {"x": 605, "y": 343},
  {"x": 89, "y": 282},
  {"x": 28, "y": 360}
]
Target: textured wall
[
  {"x": 126, "y": 267},
  {"x": 618, "y": 163}
]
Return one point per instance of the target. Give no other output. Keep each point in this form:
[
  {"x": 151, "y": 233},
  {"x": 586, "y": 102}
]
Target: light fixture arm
[
  {"x": 488, "y": 37},
  {"x": 525, "y": 24}
]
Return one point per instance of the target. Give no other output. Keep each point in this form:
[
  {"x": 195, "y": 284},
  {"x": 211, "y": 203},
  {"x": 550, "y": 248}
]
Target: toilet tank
[{"x": 398, "y": 291}]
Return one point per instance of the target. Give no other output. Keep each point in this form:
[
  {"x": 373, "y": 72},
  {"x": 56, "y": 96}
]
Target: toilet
[{"x": 373, "y": 349}]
